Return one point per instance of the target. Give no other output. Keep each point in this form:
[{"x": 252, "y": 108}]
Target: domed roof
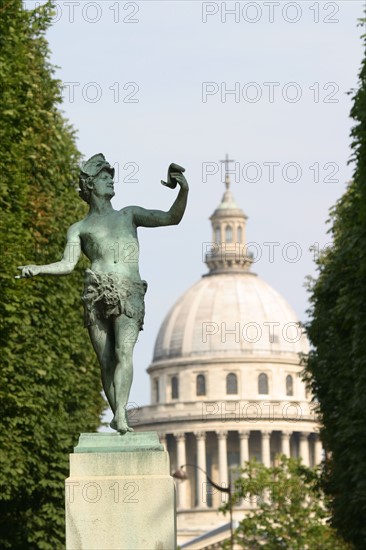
[{"x": 229, "y": 315}]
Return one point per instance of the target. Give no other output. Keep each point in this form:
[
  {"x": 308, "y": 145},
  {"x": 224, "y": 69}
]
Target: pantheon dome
[
  {"x": 225, "y": 380},
  {"x": 236, "y": 314}
]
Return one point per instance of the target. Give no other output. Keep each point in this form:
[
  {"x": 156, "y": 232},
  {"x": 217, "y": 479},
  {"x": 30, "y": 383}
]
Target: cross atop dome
[{"x": 227, "y": 171}]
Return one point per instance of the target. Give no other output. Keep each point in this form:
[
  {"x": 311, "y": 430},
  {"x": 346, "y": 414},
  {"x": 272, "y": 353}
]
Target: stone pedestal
[{"x": 120, "y": 495}]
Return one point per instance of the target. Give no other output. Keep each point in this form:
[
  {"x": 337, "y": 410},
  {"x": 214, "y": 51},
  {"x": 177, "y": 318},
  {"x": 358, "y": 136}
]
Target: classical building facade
[{"x": 225, "y": 384}]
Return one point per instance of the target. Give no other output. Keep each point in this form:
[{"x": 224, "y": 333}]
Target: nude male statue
[{"x": 113, "y": 292}]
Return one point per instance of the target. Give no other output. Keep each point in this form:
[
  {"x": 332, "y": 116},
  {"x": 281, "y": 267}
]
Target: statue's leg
[
  {"x": 102, "y": 337},
  {"x": 126, "y": 333}
]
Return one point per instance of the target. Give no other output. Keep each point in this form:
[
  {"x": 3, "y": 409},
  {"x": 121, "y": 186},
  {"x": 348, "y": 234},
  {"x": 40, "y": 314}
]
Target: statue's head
[{"x": 90, "y": 171}]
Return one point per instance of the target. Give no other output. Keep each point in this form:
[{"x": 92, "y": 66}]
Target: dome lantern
[{"x": 228, "y": 251}]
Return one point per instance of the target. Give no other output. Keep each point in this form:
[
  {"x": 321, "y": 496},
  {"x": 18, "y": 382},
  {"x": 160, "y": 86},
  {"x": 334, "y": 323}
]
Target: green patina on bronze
[{"x": 114, "y": 292}]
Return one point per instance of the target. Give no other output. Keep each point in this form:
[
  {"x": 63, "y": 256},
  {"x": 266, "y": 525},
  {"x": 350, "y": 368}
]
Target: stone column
[
  {"x": 244, "y": 447},
  {"x": 285, "y": 444},
  {"x": 223, "y": 466},
  {"x": 244, "y": 457},
  {"x": 201, "y": 463},
  {"x": 181, "y": 461},
  {"x": 266, "y": 448},
  {"x": 304, "y": 448},
  {"x": 318, "y": 447}
]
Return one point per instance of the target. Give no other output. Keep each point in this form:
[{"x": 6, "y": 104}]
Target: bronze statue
[{"x": 114, "y": 292}]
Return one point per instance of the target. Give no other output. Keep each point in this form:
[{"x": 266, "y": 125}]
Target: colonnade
[{"x": 308, "y": 447}]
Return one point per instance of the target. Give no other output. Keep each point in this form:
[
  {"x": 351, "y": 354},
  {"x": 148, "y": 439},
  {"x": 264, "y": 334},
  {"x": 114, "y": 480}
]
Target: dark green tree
[
  {"x": 336, "y": 369},
  {"x": 290, "y": 509},
  {"x": 49, "y": 379}
]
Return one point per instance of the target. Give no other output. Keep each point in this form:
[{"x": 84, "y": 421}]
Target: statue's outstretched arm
[
  {"x": 63, "y": 267},
  {"x": 156, "y": 218}
]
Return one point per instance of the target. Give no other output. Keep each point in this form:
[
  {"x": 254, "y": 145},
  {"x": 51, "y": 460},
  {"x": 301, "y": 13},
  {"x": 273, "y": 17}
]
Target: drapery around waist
[{"x": 111, "y": 294}]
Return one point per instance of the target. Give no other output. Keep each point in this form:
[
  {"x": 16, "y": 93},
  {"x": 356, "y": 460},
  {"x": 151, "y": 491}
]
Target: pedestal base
[{"x": 118, "y": 498}]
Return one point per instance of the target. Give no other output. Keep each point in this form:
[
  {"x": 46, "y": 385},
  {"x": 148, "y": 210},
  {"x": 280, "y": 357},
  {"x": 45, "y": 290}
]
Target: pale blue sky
[{"x": 168, "y": 53}]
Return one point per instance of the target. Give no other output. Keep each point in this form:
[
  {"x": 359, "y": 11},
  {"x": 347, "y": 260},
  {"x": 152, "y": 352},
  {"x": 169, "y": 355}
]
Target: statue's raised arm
[{"x": 157, "y": 218}]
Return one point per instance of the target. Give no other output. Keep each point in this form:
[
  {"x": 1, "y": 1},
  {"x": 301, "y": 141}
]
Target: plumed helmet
[{"x": 95, "y": 165}]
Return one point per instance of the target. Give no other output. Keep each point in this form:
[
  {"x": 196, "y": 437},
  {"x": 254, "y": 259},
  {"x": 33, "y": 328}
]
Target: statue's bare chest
[{"x": 101, "y": 233}]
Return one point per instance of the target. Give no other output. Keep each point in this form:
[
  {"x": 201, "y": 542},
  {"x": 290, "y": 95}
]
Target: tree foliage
[
  {"x": 336, "y": 369},
  {"x": 49, "y": 379},
  {"x": 290, "y": 510}
]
